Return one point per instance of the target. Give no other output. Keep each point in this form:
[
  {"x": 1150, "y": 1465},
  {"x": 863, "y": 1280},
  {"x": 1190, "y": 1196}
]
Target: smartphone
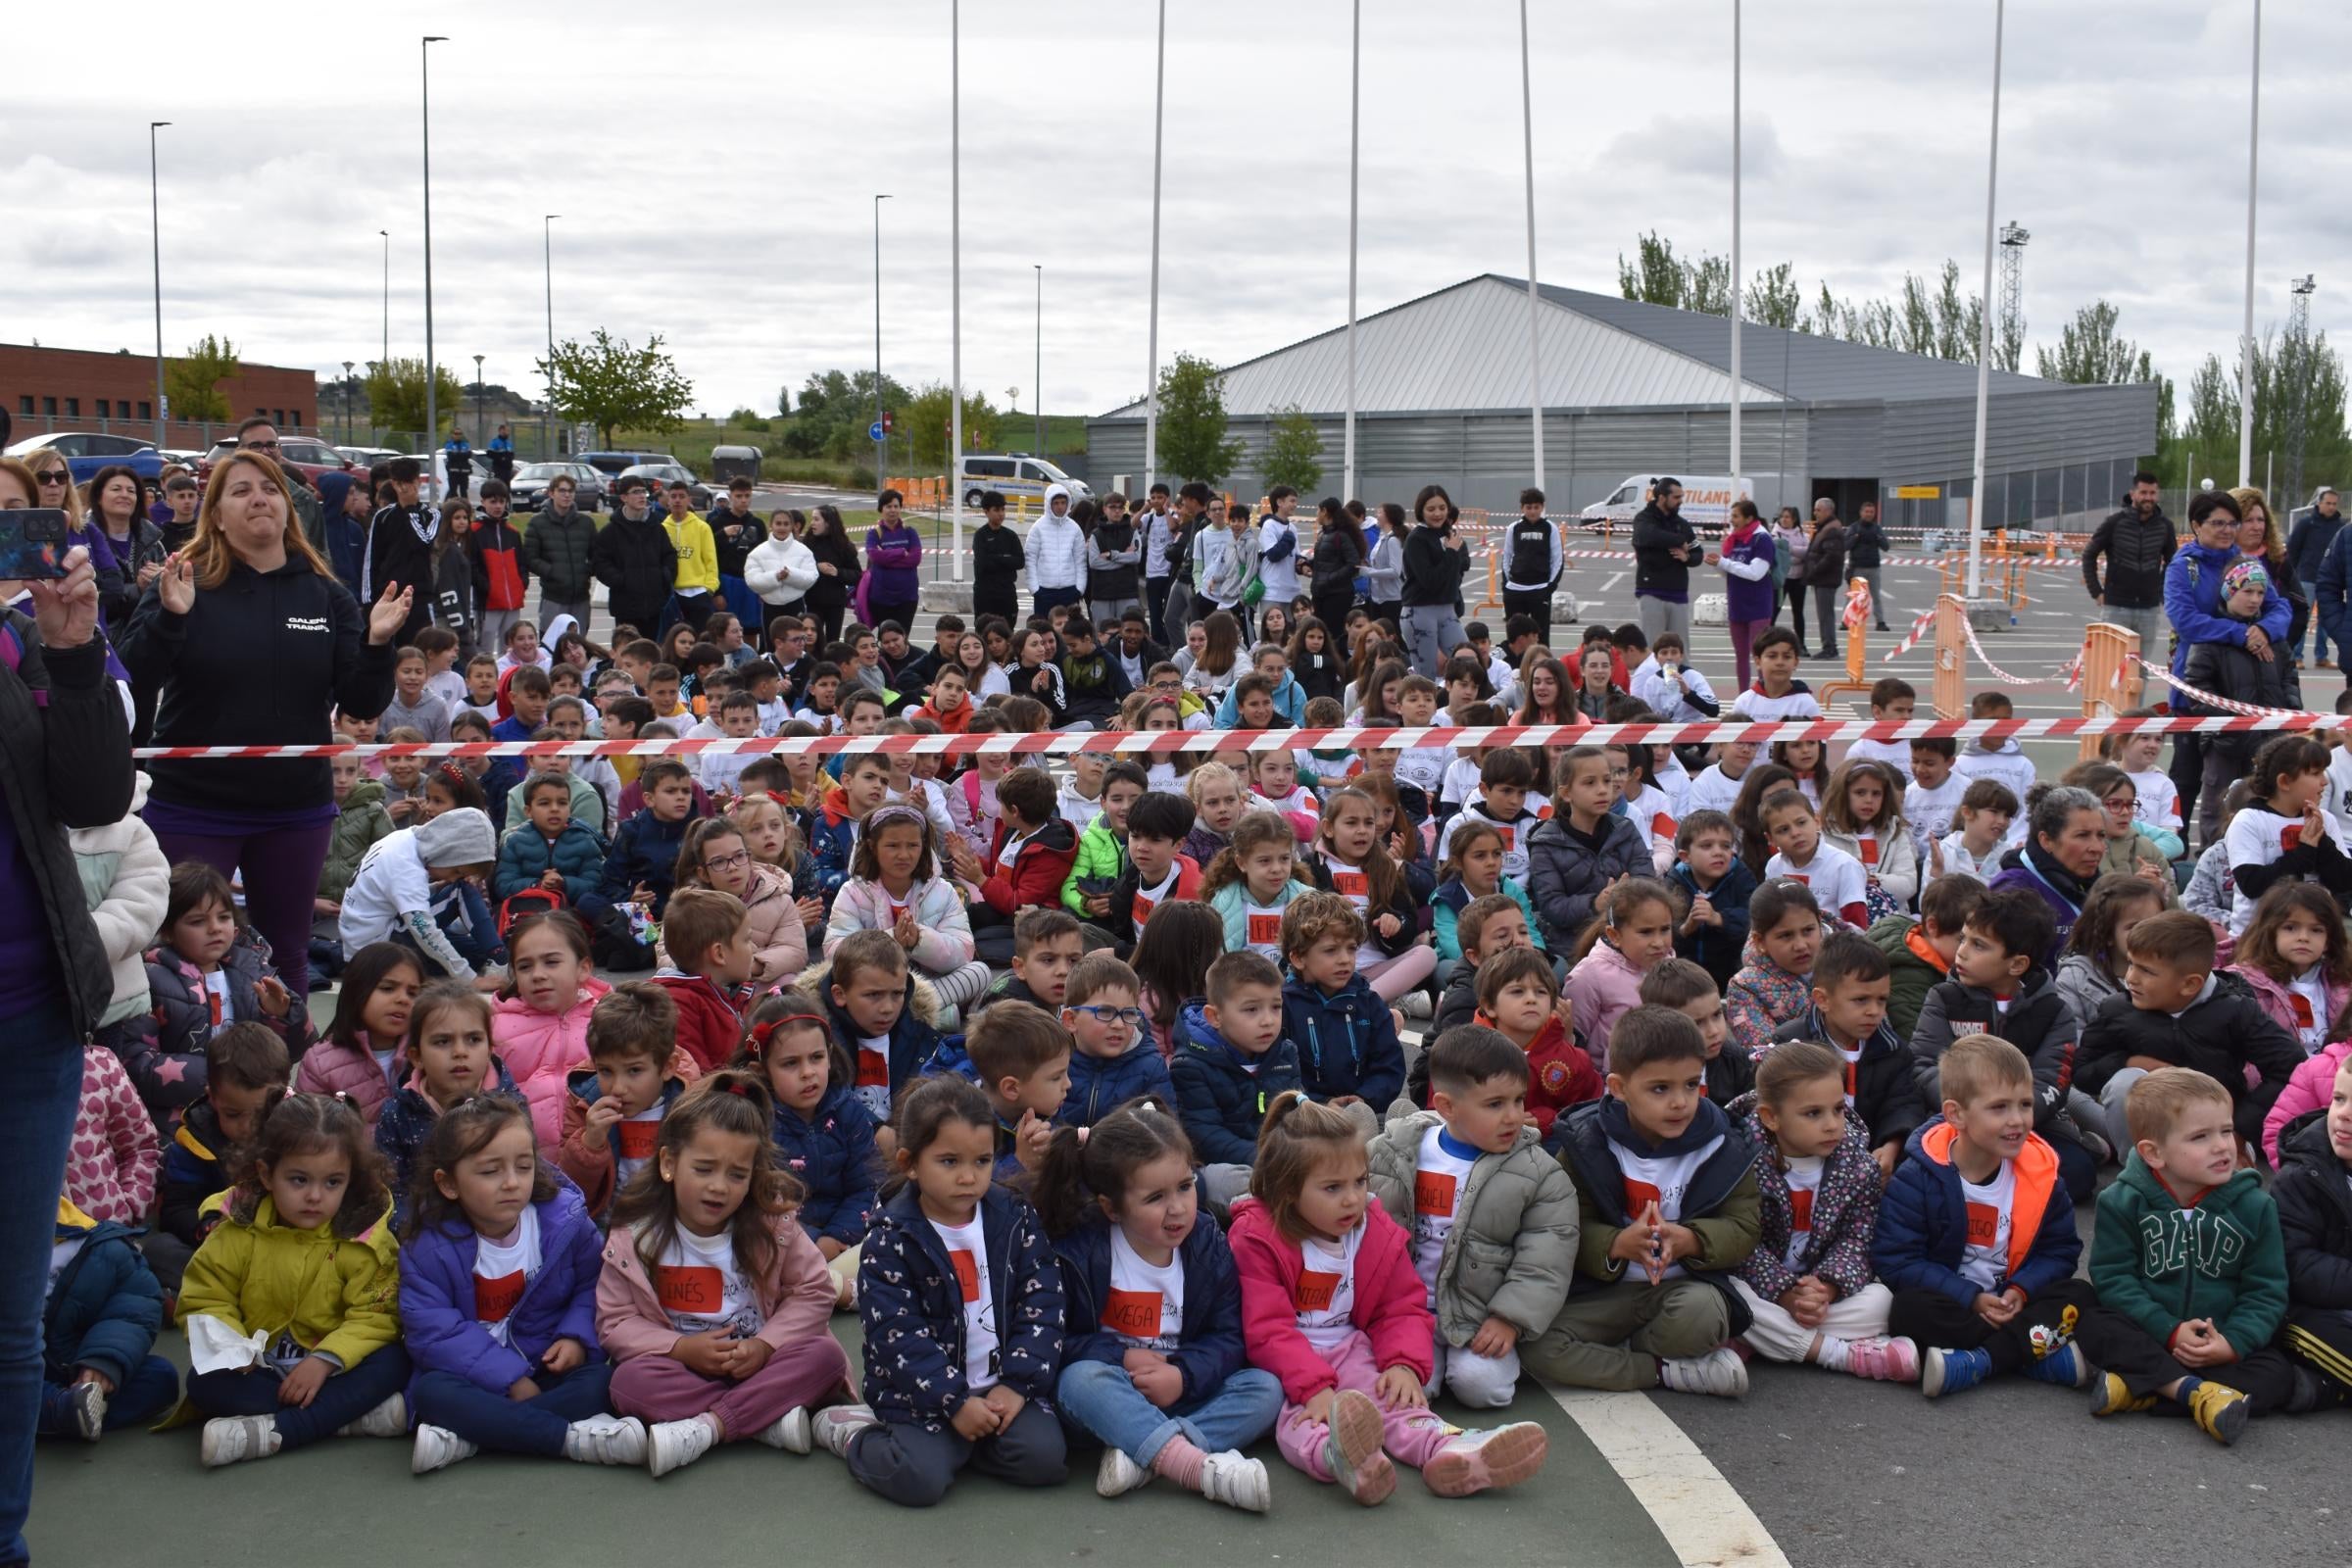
[{"x": 32, "y": 543}]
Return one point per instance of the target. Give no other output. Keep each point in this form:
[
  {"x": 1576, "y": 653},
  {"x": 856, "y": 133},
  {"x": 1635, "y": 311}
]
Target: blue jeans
[
  {"x": 486, "y": 1416},
  {"x": 40, "y": 1090},
  {"x": 1102, "y": 1399},
  {"x": 341, "y": 1399},
  {"x": 476, "y": 936},
  {"x": 152, "y": 1388}
]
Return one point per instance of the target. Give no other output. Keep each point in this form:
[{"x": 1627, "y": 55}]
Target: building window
[
  {"x": 73, "y": 408},
  {"x": 146, "y": 410},
  {"x": 24, "y": 406},
  {"x": 298, "y": 419},
  {"x": 103, "y": 408},
  {"x": 277, "y": 416},
  {"x": 49, "y": 407}
]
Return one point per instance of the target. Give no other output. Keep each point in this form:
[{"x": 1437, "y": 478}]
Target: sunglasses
[{"x": 53, "y": 476}]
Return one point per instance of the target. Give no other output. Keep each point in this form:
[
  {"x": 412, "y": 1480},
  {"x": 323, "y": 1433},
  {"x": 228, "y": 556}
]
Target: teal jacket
[
  {"x": 1232, "y": 904},
  {"x": 2162, "y": 1264},
  {"x": 1452, "y": 899}
]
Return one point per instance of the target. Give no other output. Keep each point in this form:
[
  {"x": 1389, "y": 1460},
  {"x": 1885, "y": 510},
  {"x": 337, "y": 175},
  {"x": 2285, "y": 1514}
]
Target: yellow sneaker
[
  {"x": 2218, "y": 1410},
  {"x": 2109, "y": 1396}
]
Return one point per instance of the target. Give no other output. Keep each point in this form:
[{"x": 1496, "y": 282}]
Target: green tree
[
  {"x": 610, "y": 384},
  {"x": 193, "y": 381},
  {"x": 396, "y": 393},
  {"x": 1772, "y": 298},
  {"x": 1656, "y": 278},
  {"x": 923, "y": 426},
  {"x": 835, "y": 409},
  {"x": 784, "y": 402},
  {"x": 2210, "y": 435},
  {"x": 1193, "y": 442},
  {"x": 1294, "y": 454}
]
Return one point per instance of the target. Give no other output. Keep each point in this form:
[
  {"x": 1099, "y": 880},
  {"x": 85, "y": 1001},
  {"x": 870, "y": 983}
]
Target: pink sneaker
[{"x": 1883, "y": 1360}]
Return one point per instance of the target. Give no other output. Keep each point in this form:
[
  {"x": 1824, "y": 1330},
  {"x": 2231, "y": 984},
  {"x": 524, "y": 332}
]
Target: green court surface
[{"x": 143, "y": 1497}]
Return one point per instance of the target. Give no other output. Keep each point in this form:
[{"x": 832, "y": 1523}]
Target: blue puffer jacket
[
  {"x": 406, "y": 1121},
  {"x": 645, "y": 850},
  {"x": 437, "y": 1312},
  {"x": 911, "y": 1308},
  {"x": 1718, "y": 949},
  {"x": 1923, "y": 1222},
  {"x": 832, "y": 1155},
  {"x": 1347, "y": 1044},
  {"x": 106, "y": 1306},
  {"x": 1222, "y": 1102},
  {"x": 162, "y": 1048},
  {"x": 524, "y": 857},
  {"x": 1100, "y": 1084},
  {"x": 2193, "y": 602},
  {"x": 1211, "y": 1349},
  {"x": 912, "y": 1043}
]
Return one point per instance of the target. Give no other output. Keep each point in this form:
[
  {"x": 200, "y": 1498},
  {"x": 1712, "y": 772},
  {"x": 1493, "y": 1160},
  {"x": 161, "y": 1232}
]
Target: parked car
[
  {"x": 87, "y": 451},
  {"x": 611, "y": 464},
  {"x": 664, "y": 474},
  {"x": 1015, "y": 474},
  {"x": 529, "y": 488},
  {"x": 369, "y": 457},
  {"x": 307, "y": 456},
  {"x": 186, "y": 458}
]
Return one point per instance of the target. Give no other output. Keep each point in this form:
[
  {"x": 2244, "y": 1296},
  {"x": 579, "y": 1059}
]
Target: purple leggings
[
  {"x": 1743, "y": 632},
  {"x": 280, "y": 867}
]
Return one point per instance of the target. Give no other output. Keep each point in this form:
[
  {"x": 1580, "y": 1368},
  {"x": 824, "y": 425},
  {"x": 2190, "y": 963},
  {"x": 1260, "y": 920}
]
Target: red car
[{"x": 306, "y": 454}]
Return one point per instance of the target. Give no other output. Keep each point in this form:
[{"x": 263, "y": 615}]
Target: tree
[
  {"x": 193, "y": 381},
  {"x": 2090, "y": 354},
  {"x": 784, "y": 402},
  {"x": 2210, "y": 432},
  {"x": 836, "y": 407},
  {"x": 1772, "y": 298},
  {"x": 608, "y": 383},
  {"x": 923, "y": 426},
  {"x": 1294, "y": 454},
  {"x": 396, "y": 393},
  {"x": 1193, "y": 442},
  {"x": 1656, "y": 278}
]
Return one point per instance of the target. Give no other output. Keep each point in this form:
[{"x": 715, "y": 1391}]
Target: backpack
[{"x": 526, "y": 902}]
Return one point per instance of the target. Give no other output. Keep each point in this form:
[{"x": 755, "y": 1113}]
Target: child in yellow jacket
[{"x": 292, "y": 1304}]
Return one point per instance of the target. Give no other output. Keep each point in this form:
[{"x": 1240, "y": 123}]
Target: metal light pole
[
  {"x": 2245, "y": 345},
  {"x": 1160, "y": 104},
  {"x": 386, "y": 361},
  {"x": 1736, "y": 386},
  {"x": 881, "y": 452},
  {"x": 154, "y": 213},
  {"x": 477, "y": 393},
  {"x": 1993, "y": 173},
  {"x": 1037, "y": 396},
  {"x": 347, "y": 364},
  {"x": 1356, "y": 88},
  {"x": 955, "y": 278},
  {"x": 432, "y": 402},
  {"x": 547, "y": 251},
  {"x": 1535, "y": 308}
]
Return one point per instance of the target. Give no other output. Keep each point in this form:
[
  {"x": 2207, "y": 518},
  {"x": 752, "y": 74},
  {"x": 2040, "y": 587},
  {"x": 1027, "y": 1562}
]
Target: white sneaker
[
  {"x": 837, "y": 1425},
  {"x": 1720, "y": 1372},
  {"x": 1118, "y": 1474},
  {"x": 90, "y": 1410},
  {"x": 789, "y": 1431},
  {"x": 670, "y": 1444},
  {"x": 229, "y": 1439},
  {"x": 389, "y": 1419},
  {"x": 437, "y": 1448},
  {"x": 1486, "y": 1460},
  {"x": 1415, "y": 1004},
  {"x": 1235, "y": 1482},
  {"x": 606, "y": 1439}
]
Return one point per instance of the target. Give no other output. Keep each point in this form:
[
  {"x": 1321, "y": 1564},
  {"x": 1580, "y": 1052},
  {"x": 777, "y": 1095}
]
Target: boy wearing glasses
[{"x": 1113, "y": 1063}]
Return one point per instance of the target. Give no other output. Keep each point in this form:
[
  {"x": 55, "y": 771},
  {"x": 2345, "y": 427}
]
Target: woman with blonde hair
[
  {"x": 2259, "y": 536},
  {"x": 250, "y": 640}
]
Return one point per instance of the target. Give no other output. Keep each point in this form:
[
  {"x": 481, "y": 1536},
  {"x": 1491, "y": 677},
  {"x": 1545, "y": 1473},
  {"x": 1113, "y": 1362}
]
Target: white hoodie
[
  {"x": 779, "y": 571},
  {"x": 1056, "y": 548}
]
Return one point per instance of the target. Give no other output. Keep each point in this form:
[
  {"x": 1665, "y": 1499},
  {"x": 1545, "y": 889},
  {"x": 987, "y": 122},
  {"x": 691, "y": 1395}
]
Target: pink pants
[
  {"x": 656, "y": 1388},
  {"x": 1391, "y": 978},
  {"x": 1410, "y": 1435},
  {"x": 1743, "y": 633}
]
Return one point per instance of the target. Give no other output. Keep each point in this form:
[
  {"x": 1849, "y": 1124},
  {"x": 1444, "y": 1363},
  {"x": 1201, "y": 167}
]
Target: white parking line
[
  {"x": 1702, "y": 1517},
  {"x": 1614, "y": 579}
]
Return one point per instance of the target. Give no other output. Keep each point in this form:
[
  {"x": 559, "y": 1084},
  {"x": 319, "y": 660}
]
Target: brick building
[{"x": 73, "y": 389}]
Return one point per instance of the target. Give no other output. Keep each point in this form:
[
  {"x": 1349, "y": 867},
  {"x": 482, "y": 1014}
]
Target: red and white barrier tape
[
  {"x": 1856, "y": 615},
  {"x": 1919, "y": 629},
  {"x": 2226, "y": 705},
  {"x": 1997, "y": 672},
  {"x": 1953, "y": 559}
]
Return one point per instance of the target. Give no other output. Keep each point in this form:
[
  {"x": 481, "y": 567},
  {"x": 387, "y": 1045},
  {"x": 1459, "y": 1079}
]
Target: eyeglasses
[
  {"x": 729, "y": 863},
  {"x": 53, "y": 476},
  {"x": 259, "y": 446},
  {"x": 1132, "y": 1017}
]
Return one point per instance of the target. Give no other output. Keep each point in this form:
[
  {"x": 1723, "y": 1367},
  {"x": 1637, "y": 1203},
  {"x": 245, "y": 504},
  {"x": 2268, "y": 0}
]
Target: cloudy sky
[{"x": 716, "y": 165}]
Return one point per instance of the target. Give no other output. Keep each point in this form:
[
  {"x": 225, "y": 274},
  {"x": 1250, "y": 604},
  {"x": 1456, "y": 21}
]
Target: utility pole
[
  {"x": 433, "y": 409},
  {"x": 154, "y": 213},
  {"x": 547, "y": 256},
  {"x": 346, "y": 401},
  {"x": 1040, "y": 379}
]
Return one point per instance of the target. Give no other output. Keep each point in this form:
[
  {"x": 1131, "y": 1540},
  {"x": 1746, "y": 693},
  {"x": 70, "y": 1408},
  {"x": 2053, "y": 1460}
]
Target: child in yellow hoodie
[
  {"x": 695, "y": 592},
  {"x": 292, "y": 1304}
]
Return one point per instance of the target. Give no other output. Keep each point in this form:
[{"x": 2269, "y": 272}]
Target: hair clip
[{"x": 740, "y": 1087}]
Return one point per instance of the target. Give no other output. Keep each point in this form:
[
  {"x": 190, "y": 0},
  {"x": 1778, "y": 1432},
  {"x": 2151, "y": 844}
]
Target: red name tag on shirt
[
  {"x": 1142, "y": 911},
  {"x": 1870, "y": 850},
  {"x": 1798, "y": 877},
  {"x": 698, "y": 1290},
  {"x": 638, "y": 1139},
  {"x": 494, "y": 1298},
  {"x": 1350, "y": 883},
  {"x": 2302, "y": 1007},
  {"x": 1432, "y": 1192},
  {"x": 1510, "y": 835},
  {"x": 1313, "y": 1291},
  {"x": 1983, "y": 1224},
  {"x": 897, "y": 913},
  {"x": 968, "y": 1275},
  {"x": 1638, "y": 1196},
  {"x": 873, "y": 1069},
  {"x": 1660, "y": 826},
  {"x": 1134, "y": 1313},
  {"x": 1800, "y": 1208},
  {"x": 1266, "y": 928},
  {"x": 2290, "y": 836}
]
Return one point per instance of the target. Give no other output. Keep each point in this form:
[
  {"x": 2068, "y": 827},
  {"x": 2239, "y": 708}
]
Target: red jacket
[
  {"x": 1559, "y": 1073},
  {"x": 1391, "y": 1305},
  {"x": 1037, "y": 873},
  {"x": 957, "y": 720},
  {"x": 709, "y": 1027},
  {"x": 497, "y": 550}
]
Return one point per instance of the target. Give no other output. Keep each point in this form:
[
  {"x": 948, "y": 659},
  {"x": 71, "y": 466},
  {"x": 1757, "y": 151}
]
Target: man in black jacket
[
  {"x": 557, "y": 550},
  {"x": 1864, "y": 542},
  {"x": 736, "y": 531},
  {"x": 1665, "y": 549},
  {"x": 633, "y": 557},
  {"x": 400, "y": 549},
  {"x": 2137, "y": 543},
  {"x": 1825, "y": 571},
  {"x": 997, "y": 561}
]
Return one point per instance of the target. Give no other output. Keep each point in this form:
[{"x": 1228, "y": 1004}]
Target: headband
[
  {"x": 893, "y": 811},
  {"x": 762, "y": 1032}
]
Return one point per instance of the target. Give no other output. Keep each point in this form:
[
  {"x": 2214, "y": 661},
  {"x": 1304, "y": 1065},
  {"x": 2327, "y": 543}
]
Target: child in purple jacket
[
  {"x": 498, "y": 1271},
  {"x": 893, "y": 552}
]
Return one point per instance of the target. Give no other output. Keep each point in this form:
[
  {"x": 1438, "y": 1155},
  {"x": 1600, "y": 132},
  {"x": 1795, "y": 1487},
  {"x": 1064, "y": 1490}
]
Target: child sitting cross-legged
[
  {"x": 1690, "y": 991},
  {"x": 245, "y": 1075},
  {"x": 99, "y": 1318},
  {"x": 1520, "y": 999},
  {"x": 1849, "y": 1013},
  {"x": 1152, "y": 1362},
  {"x": 2315, "y": 1165},
  {"x": 1346, "y": 1037},
  {"x": 1114, "y": 1064},
  {"x": 450, "y": 1060},
  {"x": 613, "y": 1107},
  {"x": 823, "y": 1133},
  {"x": 1475, "y": 1161},
  {"x": 898, "y": 884},
  {"x": 713, "y": 1302},
  {"x": 1669, "y": 1210},
  {"x": 2190, "y": 1253},
  {"x": 498, "y": 1274},
  {"x": 1331, "y": 1305},
  {"x": 710, "y": 980},
  {"x": 550, "y": 849},
  {"x": 1807, "y": 1285},
  {"x": 1231, "y": 1061}
]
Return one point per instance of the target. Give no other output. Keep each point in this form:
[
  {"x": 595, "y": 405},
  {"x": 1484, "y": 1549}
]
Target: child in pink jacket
[
  {"x": 1332, "y": 1305},
  {"x": 2311, "y": 1086},
  {"x": 361, "y": 1056},
  {"x": 540, "y": 1020},
  {"x": 1632, "y": 932},
  {"x": 111, "y": 1170}
]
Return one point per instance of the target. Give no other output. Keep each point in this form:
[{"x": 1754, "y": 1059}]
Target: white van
[
  {"x": 1013, "y": 476},
  {"x": 1707, "y": 501}
]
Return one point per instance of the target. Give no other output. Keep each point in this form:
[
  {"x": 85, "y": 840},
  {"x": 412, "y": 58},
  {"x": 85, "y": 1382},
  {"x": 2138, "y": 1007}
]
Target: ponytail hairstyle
[
  {"x": 1776, "y": 900},
  {"x": 1466, "y": 837},
  {"x": 303, "y": 1124},
  {"x": 735, "y": 1103},
  {"x": 1298, "y": 1135},
  {"x": 1617, "y": 906},
  {"x": 462, "y": 792},
  {"x": 1180, "y": 939},
  {"x": 1747, "y": 814},
  {"x": 460, "y": 1133},
  {"x": 1255, "y": 831},
  {"x": 928, "y": 1108},
  {"x": 1082, "y": 1173},
  {"x": 1382, "y": 878},
  {"x": 1793, "y": 1062}
]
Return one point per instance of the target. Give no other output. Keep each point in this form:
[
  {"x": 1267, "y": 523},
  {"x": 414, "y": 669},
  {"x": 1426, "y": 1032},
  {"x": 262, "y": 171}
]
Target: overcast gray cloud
[{"x": 714, "y": 165}]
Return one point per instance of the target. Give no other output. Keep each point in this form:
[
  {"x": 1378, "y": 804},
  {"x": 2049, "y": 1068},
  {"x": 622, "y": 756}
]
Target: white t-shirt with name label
[
  {"x": 2307, "y": 993},
  {"x": 1439, "y": 1177},
  {"x": 1325, "y": 1295},
  {"x": 1985, "y": 1256},
  {"x": 502, "y": 1271},
  {"x": 702, "y": 1286},
  {"x": 968, "y": 1255},
  {"x": 634, "y": 1140},
  {"x": 873, "y": 1074},
  {"x": 1804, "y": 1181},
  {"x": 1147, "y": 899},
  {"x": 1350, "y": 883},
  {"x": 1146, "y": 1307},
  {"x": 1835, "y": 876},
  {"x": 1262, "y": 928},
  {"x": 1662, "y": 1178}
]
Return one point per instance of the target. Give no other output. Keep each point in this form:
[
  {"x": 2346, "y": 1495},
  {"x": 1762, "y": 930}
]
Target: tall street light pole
[
  {"x": 347, "y": 364},
  {"x": 882, "y": 436},
  {"x": 547, "y": 248},
  {"x": 477, "y": 392},
  {"x": 386, "y": 361},
  {"x": 1535, "y": 310},
  {"x": 954, "y": 279},
  {"x": 1355, "y": 78},
  {"x": 1159, "y": 103},
  {"x": 1993, "y": 173},
  {"x": 2245, "y": 345},
  {"x": 1038, "y": 383},
  {"x": 432, "y": 402},
  {"x": 154, "y": 213}
]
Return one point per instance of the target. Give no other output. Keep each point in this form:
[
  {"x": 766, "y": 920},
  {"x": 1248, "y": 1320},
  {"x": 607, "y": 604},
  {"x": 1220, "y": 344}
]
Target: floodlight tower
[
  {"x": 2014, "y": 239},
  {"x": 2296, "y": 354}
]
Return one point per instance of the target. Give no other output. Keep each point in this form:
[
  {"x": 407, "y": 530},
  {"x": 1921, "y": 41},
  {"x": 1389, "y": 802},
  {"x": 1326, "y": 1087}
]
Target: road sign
[
  {"x": 873, "y": 431},
  {"x": 1918, "y": 492}
]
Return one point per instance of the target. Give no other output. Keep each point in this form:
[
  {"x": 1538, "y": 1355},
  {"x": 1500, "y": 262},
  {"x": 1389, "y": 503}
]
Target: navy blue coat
[
  {"x": 1718, "y": 950},
  {"x": 645, "y": 850},
  {"x": 1220, "y": 1104},
  {"x": 1211, "y": 1349},
  {"x": 1923, "y": 1222},
  {"x": 104, "y": 1310},
  {"x": 1347, "y": 1043},
  {"x": 832, "y": 1155},
  {"x": 1100, "y": 1084},
  {"x": 437, "y": 1320},
  {"x": 911, "y": 1308},
  {"x": 913, "y": 1042}
]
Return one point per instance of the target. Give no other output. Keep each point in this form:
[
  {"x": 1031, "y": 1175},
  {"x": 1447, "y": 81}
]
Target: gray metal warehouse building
[{"x": 1442, "y": 397}]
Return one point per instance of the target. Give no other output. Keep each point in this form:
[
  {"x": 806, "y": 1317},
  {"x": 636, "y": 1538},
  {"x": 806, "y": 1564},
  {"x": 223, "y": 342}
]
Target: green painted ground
[{"x": 143, "y": 1497}]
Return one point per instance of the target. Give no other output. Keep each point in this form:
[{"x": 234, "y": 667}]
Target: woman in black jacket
[
  {"x": 1434, "y": 559},
  {"x": 1339, "y": 560},
  {"x": 837, "y": 572},
  {"x": 253, "y": 642}
]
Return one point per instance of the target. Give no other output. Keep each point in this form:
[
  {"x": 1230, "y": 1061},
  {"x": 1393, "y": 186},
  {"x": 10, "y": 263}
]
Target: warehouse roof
[{"x": 1465, "y": 347}]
